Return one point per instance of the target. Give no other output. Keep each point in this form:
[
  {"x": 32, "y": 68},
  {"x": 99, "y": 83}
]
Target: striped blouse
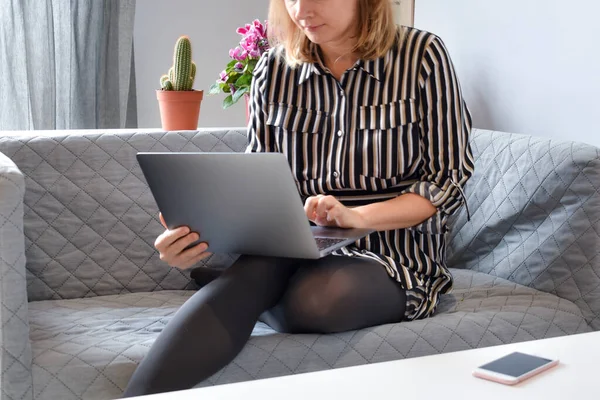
[{"x": 390, "y": 126}]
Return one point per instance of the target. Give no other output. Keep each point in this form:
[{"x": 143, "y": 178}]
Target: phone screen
[{"x": 515, "y": 364}]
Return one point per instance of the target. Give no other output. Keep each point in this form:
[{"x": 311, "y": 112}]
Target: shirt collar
[
  {"x": 375, "y": 68},
  {"x": 307, "y": 70}
]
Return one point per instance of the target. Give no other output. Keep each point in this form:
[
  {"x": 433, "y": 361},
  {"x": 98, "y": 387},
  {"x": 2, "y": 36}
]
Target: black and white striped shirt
[{"x": 394, "y": 125}]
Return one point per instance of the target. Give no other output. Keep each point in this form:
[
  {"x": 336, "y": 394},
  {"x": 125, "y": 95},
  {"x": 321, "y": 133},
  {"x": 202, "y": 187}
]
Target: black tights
[{"x": 333, "y": 294}]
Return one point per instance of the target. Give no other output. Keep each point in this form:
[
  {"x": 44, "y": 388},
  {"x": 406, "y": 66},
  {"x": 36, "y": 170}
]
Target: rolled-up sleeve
[
  {"x": 260, "y": 135},
  {"x": 447, "y": 160}
]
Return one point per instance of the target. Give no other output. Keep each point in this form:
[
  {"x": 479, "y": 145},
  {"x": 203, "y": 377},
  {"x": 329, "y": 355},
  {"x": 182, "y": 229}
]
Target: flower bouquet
[{"x": 236, "y": 79}]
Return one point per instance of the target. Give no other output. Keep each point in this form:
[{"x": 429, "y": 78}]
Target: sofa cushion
[{"x": 88, "y": 348}]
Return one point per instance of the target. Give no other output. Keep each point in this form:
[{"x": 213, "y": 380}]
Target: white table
[{"x": 444, "y": 376}]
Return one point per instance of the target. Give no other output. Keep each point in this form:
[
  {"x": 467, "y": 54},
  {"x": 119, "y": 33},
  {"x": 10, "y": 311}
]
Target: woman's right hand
[{"x": 171, "y": 246}]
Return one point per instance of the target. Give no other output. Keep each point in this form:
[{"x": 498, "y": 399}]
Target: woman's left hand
[{"x": 328, "y": 211}]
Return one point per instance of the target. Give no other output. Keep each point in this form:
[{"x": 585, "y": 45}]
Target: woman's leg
[
  {"x": 336, "y": 294},
  {"x": 212, "y": 327}
]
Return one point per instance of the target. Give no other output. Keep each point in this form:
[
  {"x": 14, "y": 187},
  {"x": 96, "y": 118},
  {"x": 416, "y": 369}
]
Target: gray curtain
[{"x": 67, "y": 64}]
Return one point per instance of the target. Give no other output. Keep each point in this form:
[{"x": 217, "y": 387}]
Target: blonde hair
[{"x": 376, "y": 32}]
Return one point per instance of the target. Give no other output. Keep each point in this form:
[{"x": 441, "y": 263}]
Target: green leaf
[
  {"x": 227, "y": 102},
  {"x": 233, "y": 77},
  {"x": 232, "y": 63},
  {"x": 250, "y": 66},
  {"x": 244, "y": 80},
  {"x": 238, "y": 95},
  {"x": 215, "y": 89}
]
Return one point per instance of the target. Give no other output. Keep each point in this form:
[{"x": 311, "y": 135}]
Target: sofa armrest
[
  {"x": 535, "y": 205},
  {"x": 15, "y": 361}
]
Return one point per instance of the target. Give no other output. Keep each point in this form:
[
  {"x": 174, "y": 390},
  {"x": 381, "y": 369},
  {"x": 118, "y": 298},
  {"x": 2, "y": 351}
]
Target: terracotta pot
[{"x": 179, "y": 110}]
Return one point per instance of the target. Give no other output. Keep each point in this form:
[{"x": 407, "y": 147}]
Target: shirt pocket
[
  {"x": 388, "y": 140},
  {"x": 300, "y": 135}
]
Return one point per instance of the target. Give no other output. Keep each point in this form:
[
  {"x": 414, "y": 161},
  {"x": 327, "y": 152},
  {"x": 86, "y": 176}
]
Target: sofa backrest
[
  {"x": 90, "y": 221},
  {"x": 535, "y": 216}
]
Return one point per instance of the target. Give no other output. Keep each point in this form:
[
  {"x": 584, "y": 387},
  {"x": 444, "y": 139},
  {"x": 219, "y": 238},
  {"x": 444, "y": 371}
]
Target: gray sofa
[{"x": 84, "y": 294}]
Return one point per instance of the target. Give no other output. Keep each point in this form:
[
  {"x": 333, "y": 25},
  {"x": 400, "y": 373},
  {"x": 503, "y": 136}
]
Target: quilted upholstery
[
  {"x": 525, "y": 266},
  {"x": 15, "y": 360},
  {"x": 88, "y": 348},
  {"x": 535, "y": 209},
  {"x": 90, "y": 220}
]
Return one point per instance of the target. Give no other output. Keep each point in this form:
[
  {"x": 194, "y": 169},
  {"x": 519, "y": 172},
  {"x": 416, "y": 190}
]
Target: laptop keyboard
[{"x": 323, "y": 243}]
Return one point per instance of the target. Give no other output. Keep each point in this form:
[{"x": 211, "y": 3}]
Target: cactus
[
  {"x": 183, "y": 72},
  {"x": 165, "y": 83}
]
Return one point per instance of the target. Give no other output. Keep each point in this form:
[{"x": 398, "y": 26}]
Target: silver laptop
[{"x": 241, "y": 203}]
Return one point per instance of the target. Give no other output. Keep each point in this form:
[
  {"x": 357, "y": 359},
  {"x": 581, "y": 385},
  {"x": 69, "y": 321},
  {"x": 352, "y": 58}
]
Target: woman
[{"x": 372, "y": 120}]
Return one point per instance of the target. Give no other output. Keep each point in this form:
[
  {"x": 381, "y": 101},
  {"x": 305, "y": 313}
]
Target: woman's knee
[
  {"x": 341, "y": 294},
  {"x": 320, "y": 305}
]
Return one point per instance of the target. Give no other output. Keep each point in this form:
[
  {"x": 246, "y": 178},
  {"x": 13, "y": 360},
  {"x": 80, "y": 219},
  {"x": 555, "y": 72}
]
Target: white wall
[
  {"x": 211, "y": 26},
  {"x": 526, "y": 66}
]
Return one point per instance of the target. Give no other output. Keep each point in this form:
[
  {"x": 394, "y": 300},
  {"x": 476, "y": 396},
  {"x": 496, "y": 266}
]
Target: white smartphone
[{"x": 514, "y": 368}]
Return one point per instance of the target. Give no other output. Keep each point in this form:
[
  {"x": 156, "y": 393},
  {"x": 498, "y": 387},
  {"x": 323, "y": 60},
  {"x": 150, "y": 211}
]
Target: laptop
[{"x": 240, "y": 203}]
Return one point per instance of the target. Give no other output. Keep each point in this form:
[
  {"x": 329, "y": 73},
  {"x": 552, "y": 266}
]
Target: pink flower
[
  {"x": 260, "y": 28},
  {"x": 255, "y": 26},
  {"x": 239, "y": 66},
  {"x": 254, "y": 41},
  {"x": 223, "y": 77},
  {"x": 249, "y": 44},
  {"x": 238, "y": 54},
  {"x": 242, "y": 31}
]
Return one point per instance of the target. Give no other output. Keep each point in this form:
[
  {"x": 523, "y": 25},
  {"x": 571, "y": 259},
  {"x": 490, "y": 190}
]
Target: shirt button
[
  {"x": 340, "y": 133},
  {"x": 336, "y": 174},
  {"x": 342, "y": 93}
]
